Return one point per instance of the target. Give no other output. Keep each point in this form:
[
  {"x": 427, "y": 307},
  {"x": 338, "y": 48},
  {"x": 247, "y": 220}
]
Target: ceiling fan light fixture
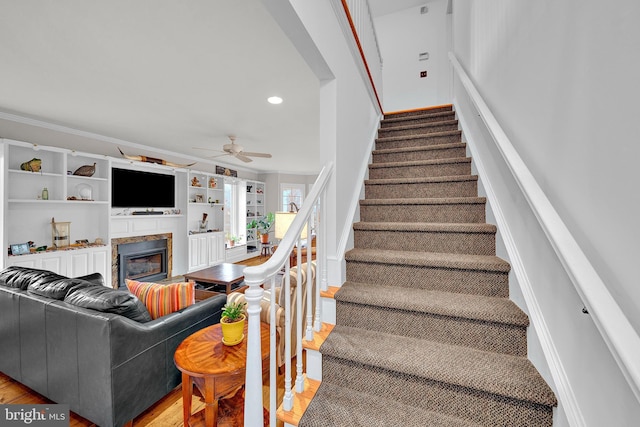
[{"x": 274, "y": 100}]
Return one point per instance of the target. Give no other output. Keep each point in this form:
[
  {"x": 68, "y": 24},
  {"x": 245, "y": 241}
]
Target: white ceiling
[{"x": 156, "y": 73}]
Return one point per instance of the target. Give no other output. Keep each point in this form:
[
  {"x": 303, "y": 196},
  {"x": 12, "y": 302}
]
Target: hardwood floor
[{"x": 167, "y": 412}]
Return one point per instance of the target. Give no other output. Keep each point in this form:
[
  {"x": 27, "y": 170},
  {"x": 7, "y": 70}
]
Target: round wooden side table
[{"x": 217, "y": 370}]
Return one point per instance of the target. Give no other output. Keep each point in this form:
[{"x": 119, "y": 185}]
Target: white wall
[
  {"x": 559, "y": 77},
  {"x": 402, "y": 36},
  {"x": 348, "y": 115}
]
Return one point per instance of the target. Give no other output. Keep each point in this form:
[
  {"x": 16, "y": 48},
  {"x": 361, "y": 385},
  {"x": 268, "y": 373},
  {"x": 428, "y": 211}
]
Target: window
[
  {"x": 235, "y": 201},
  {"x": 291, "y": 193}
]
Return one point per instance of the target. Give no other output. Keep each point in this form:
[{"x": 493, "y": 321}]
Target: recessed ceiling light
[{"x": 274, "y": 100}]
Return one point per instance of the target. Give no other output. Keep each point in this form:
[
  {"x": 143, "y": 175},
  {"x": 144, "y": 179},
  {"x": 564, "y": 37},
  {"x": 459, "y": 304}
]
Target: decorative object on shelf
[
  {"x": 45, "y": 194},
  {"x": 154, "y": 160},
  {"x": 199, "y": 198},
  {"x": 85, "y": 191},
  {"x": 232, "y": 323},
  {"x": 249, "y": 187},
  {"x": 221, "y": 170},
  {"x": 203, "y": 224},
  {"x": 99, "y": 241},
  {"x": 60, "y": 233},
  {"x": 212, "y": 183},
  {"x": 33, "y": 165},
  {"x": 86, "y": 170},
  {"x": 20, "y": 249},
  {"x": 195, "y": 182}
]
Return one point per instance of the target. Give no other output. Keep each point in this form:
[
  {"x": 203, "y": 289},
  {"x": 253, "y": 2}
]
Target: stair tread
[
  {"x": 473, "y": 307},
  {"x": 419, "y": 136},
  {"x": 430, "y": 259},
  {"x": 391, "y": 118},
  {"x": 418, "y": 125},
  {"x": 500, "y": 374},
  {"x": 420, "y": 162},
  {"x": 426, "y": 201},
  {"x": 427, "y": 226},
  {"x": 421, "y": 180},
  {"x": 336, "y": 405},
  {"x": 420, "y": 148}
]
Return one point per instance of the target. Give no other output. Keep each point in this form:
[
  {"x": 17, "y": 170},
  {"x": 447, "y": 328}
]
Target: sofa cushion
[
  {"x": 22, "y": 277},
  {"x": 57, "y": 288},
  {"x": 108, "y": 300},
  {"x": 161, "y": 299},
  {"x": 93, "y": 278}
]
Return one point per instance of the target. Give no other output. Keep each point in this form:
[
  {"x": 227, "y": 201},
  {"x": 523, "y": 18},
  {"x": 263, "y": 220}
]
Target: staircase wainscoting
[{"x": 425, "y": 332}]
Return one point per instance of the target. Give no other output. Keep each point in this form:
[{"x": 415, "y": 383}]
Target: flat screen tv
[{"x": 138, "y": 189}]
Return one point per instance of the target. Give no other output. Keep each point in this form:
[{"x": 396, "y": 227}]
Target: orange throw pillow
[{"x": 161, "y": 299}]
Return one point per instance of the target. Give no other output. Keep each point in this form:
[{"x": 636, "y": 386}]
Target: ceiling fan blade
[
  {"x": 243, "y": 158},
  {"x": 208, "y": 149},
  {"x": 265, "y": 155},
  {"x": 219, "y": 155}
]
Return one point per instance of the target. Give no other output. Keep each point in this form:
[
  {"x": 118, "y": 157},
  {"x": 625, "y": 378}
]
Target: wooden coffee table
[
  {"x": 225, "y": 277},
  {"x": 217, "y": 370}
]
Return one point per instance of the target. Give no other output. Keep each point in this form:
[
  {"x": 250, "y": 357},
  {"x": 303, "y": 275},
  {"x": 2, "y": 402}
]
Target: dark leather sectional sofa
[{"x": 108, "y": 367}]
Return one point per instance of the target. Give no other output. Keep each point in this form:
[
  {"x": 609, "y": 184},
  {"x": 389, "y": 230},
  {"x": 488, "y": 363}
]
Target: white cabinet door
[
  {"x": 215, "y": 247},
  {"x": 89, "y": 261},
  {"x": 79, "y": 264},
  {"x": 197, "y": 251}
]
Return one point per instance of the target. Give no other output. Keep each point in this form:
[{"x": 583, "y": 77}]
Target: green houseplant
[
  {"x": 264, "y": 225},
  {"x": 232, "y": 323}
]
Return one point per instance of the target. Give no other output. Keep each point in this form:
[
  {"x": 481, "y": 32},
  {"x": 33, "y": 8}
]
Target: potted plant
[
  {"x": 232, "y": 323},
  {"x": 264, "y": 226},
  {"x": 233, "y": 240}
]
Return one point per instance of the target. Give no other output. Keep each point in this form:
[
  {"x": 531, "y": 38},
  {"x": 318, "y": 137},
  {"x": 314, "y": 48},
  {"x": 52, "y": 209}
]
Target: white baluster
[
  {"x": 287, "y": 402},
  {"x": 299, "y": 369},
  {"x": 309, "y": 285},
  {"x": 273, "y": 389},
  {"x": 253, "y": 379}
]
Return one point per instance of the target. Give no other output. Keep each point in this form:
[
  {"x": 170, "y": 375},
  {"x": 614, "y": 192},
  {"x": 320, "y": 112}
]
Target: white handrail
[
  {"x": 265, "y": 274},
  {"x": 613, "y": 325}
]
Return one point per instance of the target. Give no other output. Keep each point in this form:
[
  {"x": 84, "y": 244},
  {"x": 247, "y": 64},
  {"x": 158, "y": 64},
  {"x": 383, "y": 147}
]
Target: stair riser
[
  {"x": 448, "y": 138},
  {"x": 453, "y": 213},
  {"x": 474, "y": 405},
  {"x": 485, "y": 336},
  {"x": 474, "y": 282},
  {"x": 445, "y": 153},
  {"x": 424, "y": 129},
  {"x": 422, "y": 190},
  {"x": 416, "y": 119},
  {"x": 413, "y": 171},
  {"x": 427, "y": 241},
  {"x": 415, "y": 113}
]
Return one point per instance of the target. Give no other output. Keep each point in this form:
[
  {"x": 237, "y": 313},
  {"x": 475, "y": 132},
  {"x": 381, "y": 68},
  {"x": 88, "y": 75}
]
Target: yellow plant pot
[{"x": 232, "y": 333}]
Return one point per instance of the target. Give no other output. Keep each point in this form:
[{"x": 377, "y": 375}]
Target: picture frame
[
  {"x": 20, "y": 249},
  {"x": 199, "y": 198}
]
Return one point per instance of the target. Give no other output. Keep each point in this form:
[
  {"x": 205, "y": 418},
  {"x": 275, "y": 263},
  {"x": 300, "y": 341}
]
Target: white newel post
[{"x": 253, "y": 379}]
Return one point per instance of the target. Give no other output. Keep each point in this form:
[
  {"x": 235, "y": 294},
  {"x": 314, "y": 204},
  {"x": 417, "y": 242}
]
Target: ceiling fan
[{"x": 237, "y": 151}]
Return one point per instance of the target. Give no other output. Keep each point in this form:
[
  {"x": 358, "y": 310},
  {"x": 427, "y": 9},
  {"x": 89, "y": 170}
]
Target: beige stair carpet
[{"x": 425, "y": 332}]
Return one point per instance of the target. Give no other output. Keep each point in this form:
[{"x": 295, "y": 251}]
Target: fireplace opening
[{"x": 146, "y": 260}]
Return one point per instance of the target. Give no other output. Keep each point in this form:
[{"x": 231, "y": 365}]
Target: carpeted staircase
[{"x": 425, "y": 332}]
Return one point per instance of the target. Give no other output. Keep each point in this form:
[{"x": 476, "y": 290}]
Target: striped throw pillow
[{"x": 161, "y": 299}]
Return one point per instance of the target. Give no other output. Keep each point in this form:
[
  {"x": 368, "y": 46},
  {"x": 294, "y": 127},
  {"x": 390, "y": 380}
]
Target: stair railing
[
  {"x": 311, "y": 215},
  {"x": 360, "y": 20}
]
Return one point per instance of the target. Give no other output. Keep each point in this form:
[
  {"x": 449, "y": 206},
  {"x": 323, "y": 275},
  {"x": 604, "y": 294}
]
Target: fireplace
[{"x": 146, "y": 258}]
